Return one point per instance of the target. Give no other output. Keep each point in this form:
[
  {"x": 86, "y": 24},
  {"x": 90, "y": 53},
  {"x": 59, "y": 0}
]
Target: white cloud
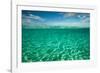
[
  {"x": 34, "y": 17},
  {"x": 82, "y": 16},
  {"x": 85, "y": 20},
  {"x": 28, "y": 20},
  {"x": 69, "y": 24},
  {"x": 69, "y": 14}
]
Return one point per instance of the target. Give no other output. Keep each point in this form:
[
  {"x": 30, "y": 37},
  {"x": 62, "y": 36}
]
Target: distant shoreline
[{"x": 55, "y": 28}]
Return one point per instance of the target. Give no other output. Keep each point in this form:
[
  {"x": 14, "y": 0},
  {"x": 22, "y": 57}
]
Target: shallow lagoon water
[{"x": 39, "y": 45}]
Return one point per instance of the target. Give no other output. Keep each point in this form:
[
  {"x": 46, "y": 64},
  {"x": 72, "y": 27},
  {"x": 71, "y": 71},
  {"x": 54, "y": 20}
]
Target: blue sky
[{"x": 46, "y": 18}]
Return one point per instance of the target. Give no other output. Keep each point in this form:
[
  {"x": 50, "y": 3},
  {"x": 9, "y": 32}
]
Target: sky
[{"x": 32, "y": 19}]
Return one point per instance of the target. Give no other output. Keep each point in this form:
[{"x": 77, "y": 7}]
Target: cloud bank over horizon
[{"x": 46, "y": 19}]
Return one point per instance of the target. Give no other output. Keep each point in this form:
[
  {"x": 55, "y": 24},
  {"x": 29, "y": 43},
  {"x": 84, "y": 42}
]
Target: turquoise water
[{"x": 55, "y": 44}]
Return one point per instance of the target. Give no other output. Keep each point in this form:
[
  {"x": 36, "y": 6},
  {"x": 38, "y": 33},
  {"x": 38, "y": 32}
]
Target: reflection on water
[{"x": 55, "y": 44}]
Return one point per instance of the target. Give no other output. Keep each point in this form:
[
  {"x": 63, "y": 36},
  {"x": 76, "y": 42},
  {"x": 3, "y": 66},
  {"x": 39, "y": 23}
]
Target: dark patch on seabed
[{"x": 55, "y": 44}]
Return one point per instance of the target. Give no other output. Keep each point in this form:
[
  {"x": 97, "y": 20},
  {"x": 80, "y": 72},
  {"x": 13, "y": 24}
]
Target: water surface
[{"x": 55, "y": 44}]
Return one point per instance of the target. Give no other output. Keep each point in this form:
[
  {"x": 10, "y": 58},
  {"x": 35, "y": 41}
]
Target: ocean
[{"x": 44, "y": 45}]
